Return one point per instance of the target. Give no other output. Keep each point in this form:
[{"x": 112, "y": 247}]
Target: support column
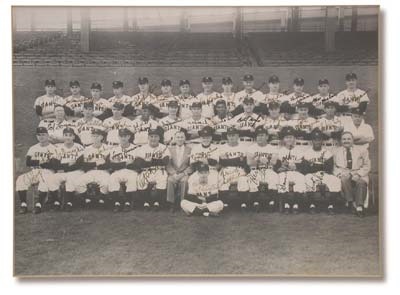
[
  {"x": 354, "y": 18},
  {"x": 296, "y": 19},
  {"x": 69, "y": 23},
  {"x": 184, "y": 21},
  {"x": 330, "y": 29},
  {"x": 85, "y": 29},
  {"x": 341, "y": 19},
  {"x": 284, "y": 22},
  {"x": 33, "y": 21},
  {"x": 125, "y": 25},
  {"x": 238, "y": 24}
]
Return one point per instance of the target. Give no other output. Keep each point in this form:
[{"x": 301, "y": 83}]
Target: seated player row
[
  {"x": 351, "y": 97},
  {"x": 203, "y": 179},
  {"x": 330, "y": 124}
]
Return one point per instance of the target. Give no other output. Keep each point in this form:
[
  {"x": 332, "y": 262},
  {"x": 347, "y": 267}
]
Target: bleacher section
[{"x": 194, "y": 49}]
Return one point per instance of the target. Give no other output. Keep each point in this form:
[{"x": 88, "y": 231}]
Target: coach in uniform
[{"x": 44, "y": 105}]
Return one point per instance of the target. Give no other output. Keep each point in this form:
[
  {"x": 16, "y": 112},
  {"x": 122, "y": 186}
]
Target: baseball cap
[
  {"x": 330, "y": 103},
  {"x": 166, "y": 82},
  {"x": 143, "y": 80},
  {"x": 316, "y": 133},
  {"x": 248, "y": 77},
  {"x": 206, "y": 131},
  {"x": 351, "y": 76},
  {"x": 298, "y": 81},
  {"x": 184, "y": 82},
  {"x": 98, "y": 131},
  {"x": 220, "y": 101},
  {"x": 203, "y": 168},
  {"x": 287, "y": 131},
  {"x": 173, "y": 103},
  {"x": 146, "y": 106},
  {"x": 68, "y": 130},
  {"x": 74, "y": 83},
  {"x": 196, "y": 104},
  {"x": 273, "y": 79},
  {"x": 156, "y": 131},
  {"x": 50, "y": 83},
  {"x": 261, "y": 130},
  {"x": 232, "y": 130},
  {"x": 274, "y": 105},
  {"x": 117, "y": 84},
  {"x": 117, "y": 105},
  {"x": 88, "y": 104},
  {"x": 41, "y": 130},
  {"x": 248, "y": 100},
  {"x": 59, "y": 106},
  {"x": 285, "y": 108},
  {"x": 124, "y": 132},
  {"x": 96, "y": 85},
  {"x": 323, "y": 81},
  {"x": 357, "y": 111},
  {"x": 227, "y": 80},
  {"x": 207, "y": 80}
]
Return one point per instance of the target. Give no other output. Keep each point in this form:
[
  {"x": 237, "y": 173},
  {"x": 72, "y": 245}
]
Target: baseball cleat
[
  {"x": 331, "y": 211},
  {"x": 286, "y": 209},
  {"x": 56, "y": 206},
  {"x": 206, "y": 214},
  {"x": 243, "y": 207},
  {"x": 68, "y": 207},
  {"x": 117, "y": 208},
  {"x": 146, "y": 206},
  {"x": 295, "y": 209},
  {"x": 23, "y": 209},
  {"x": 127, "y": 207},
  {"x": 313, "y": 210},
  {"x": 37, "y": 209},
  {"x": 156, "y": 206},
  {"x": 256, "y": 207},
  {"x": 360, "y": 212}
]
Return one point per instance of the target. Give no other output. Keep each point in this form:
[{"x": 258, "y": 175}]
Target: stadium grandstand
[{"x": 223, "y": 37}]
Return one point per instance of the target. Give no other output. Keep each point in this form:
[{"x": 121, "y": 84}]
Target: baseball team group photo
[{"x": 228, "y": 141}]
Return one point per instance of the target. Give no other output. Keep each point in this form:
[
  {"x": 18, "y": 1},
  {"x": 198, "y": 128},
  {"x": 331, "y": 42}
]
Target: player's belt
[
  {"x": 302, "y": 142},
  {"x": 274, "y": 142},
  {"x": 219, "y": 142},
  {"x": 259, "y": 168},
  {"x": 346, "y": 114},
  {"x": 152, "y": 168},
  {"x": 112, "y": 143},
  {"x": 246, "y": 139}
]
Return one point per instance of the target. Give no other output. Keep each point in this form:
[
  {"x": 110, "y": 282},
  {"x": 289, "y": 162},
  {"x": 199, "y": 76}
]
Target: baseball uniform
[
  {"x": 208, "y": 155},
  {"x": 55, "y": 128},
  {"x": 84, "y": 128},
  {"x": 44, "y": 105},
  {"x": 140, "y": 128},
  {"x": 112, "y": 126},
  {"x": 185, "y": 103},
  {"x": 208, "y": 102},
  {"x": 347, "y": 99},
  {"x": 170, "y": 127},
  {"x": 246, "y": 124},
  {"x": 220, "y": 127},
  {"x": 193, "y": 126},
  {"x": 274, "y": 126},
  {"x": 74, "y": 105},
  {"x": 289, "y": 175}
]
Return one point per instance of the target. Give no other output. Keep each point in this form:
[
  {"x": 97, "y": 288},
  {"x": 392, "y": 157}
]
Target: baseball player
[
  {"x": 68, "y": 170},
  {"x": 150, "y": 161},
  {"x": 195, "y": 123},
  {"x": 185, "y": 99},
  {"x": 274, "y": 94},
  {"x": 323, "y": 188},
  {"x": 298, "y": 95},
  {"x": 263, "y": 180},
  {"x": 74, "y": 102},
  {"x": 362, "y": 132},
  {"x": 114, "y": 123},
  {"x": 95, "y": 164},
  {"x": 249, "y": 91},
  {"x": 120, "y": 97},
  {"x": 247, "y": 121},
  {"x": 160, "y": 104},
  {"x": 144, "y": 97},
  {"x": 171, "y": 123},
  {"x": 318, "y": 100},
  {"x": 220, "y": 122},
  {"x": 274, "y": 122},
  {"x": 123, "y": 173},
  {"x": 206, "y": 152},
  {"x": 56, "y": 126},
  {"x": 232, "y": 181},
  {"x": 229, "y": 96},
  {"x": 85, "y": 125},
  {"x": 291, "y": 180},
  {"x": 44, "y": 105},
  {"x": 207, "y": 97},
  {"x": 142, "y": 124},
  {"x": 40, "y": 159},
  {"x": 202, "y": 196},
  {"x": 101, "y": 106},
  {"x": 352, "y": 96},
  {"x": 303, "y": 124}
]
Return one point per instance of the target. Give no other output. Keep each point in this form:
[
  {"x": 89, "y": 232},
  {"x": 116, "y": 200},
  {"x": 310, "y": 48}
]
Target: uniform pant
[
  {"x": 35, "y": 176},
  {"x": 260, "y": 176},
  {"x": 71, "y": 180},
  {"x": 354, "y": 191},
  {"x": 291, "y": 179},
  {"x": 100, "y": 177},
  {"x": 174, "y": 186},
  {"x": 158, "y": 176},
  {"x": 214, "y": 207},
  {"x": 129, "y": 177},
  {"x": 233, "y": 175},
  {"x": 332, "y": 182}
]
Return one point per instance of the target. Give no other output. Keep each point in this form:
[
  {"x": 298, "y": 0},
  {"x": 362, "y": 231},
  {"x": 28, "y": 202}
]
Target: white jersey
[
  {"x": 118, "y": 154},
  {"x": 140, "y": 98},
  {"x": 273, "y": 97},
  {"x": 124, "y": 99},
  {"x": 351, "y": 99},
  {"x": 231, "y": 152},
  {"x": 202, "y": 190},
  {"x": 304, "y": 125},
  {"x": 75, "y": 103},
  {"x": 262, "y": 156},
  {"x": 141, "y": 129},
  {"x": 231, "y": 101},
  {"x": 68, "y": 154},
  {"x": 317, "y": 157},
  {"x": 245, "y": 121},
  {"x": 294, "y": 98},
  {"x": 85, "y": 127},
  {"x": 185, "y": 104},
  {"x": 100, "y": 106},
  {"x": 318, "y": 101},
  {"x": 47, "y": 104},
  {"x": 55, "y": 128},
  {"x": 208, "y": 102},
  {"x": 98, "y": 155},
  {"x": 274, "y": 126},
  {"x": 161, "y": 102},
  {"x": 202, "y": 154},
  {"x": 328, "y": 126},
  {"x": 221, "y": 125},
  {"x": 43, "y": 154},
  {"x": 148, "y": 153},
  {"x": 112, "y": 126},
  {"x": 257, "y": 95},
  {"x": 294, "y": 155},
  {"x": 194, "y": 126},
  {"x": 171, "y": 127}
]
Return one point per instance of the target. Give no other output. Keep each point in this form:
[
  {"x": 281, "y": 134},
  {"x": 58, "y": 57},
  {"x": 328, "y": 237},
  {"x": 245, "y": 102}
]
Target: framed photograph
[{"x": 196, "y": 141}]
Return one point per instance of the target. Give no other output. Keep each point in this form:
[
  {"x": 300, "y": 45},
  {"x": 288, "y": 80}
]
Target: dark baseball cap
[
  {"x": 184, "y": 82},
  {"x": 50, "y": 83},
  {"x": 323, "y": 81},
  {"x": 173, "y": 103},
  {"x": 248, "y": 77},
  {"x": 40, "y": 130},
  {"x": 117, "y": 84},
  {"x": 206, "y": 131},
  {"x": 261, "y": 130},
  {"x": 98, "y": 131},
  {"x": 117, "y": 105},
  {"x": 203, "y": 168},
  {"x": 220, "y": 101},
  {"x": 156, "y": 131},
  {"x": 357, "y": 111},
  {"x": 273, "y": 79},
  {"x": 248, "y": 100},
  {"x": 74, "y": 83},
  {"x": 88, "y": 104},
  {"x": 227, "y": 80},
  {"x": 298, "y": 81},
  {"x": 166, "y": 82},
  {"x": 196, "y": 104},
  {"x": 274, "y": 105},
  {"x": 68, "y": 130},
  {"x": 143, "y": 80},
  {"x": 232, "y": 130},
  {"x": 96, "y": 85},
  {"x": 317, "y": 134},
  {"x": 287, "y": 131},
  {"x": 124, "y": 132},
  {"x": 351, "y": 76},
  {"x": 330, "y": 103},
  {"x": 206, "y": 80}
]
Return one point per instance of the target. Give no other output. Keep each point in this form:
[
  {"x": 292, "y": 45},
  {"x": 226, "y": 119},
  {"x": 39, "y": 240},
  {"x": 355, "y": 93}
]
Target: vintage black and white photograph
[{"x": 196, "y": 141}]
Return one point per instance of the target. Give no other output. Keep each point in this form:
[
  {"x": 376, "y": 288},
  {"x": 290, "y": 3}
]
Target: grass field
[{"x": 99, "y": 243}]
